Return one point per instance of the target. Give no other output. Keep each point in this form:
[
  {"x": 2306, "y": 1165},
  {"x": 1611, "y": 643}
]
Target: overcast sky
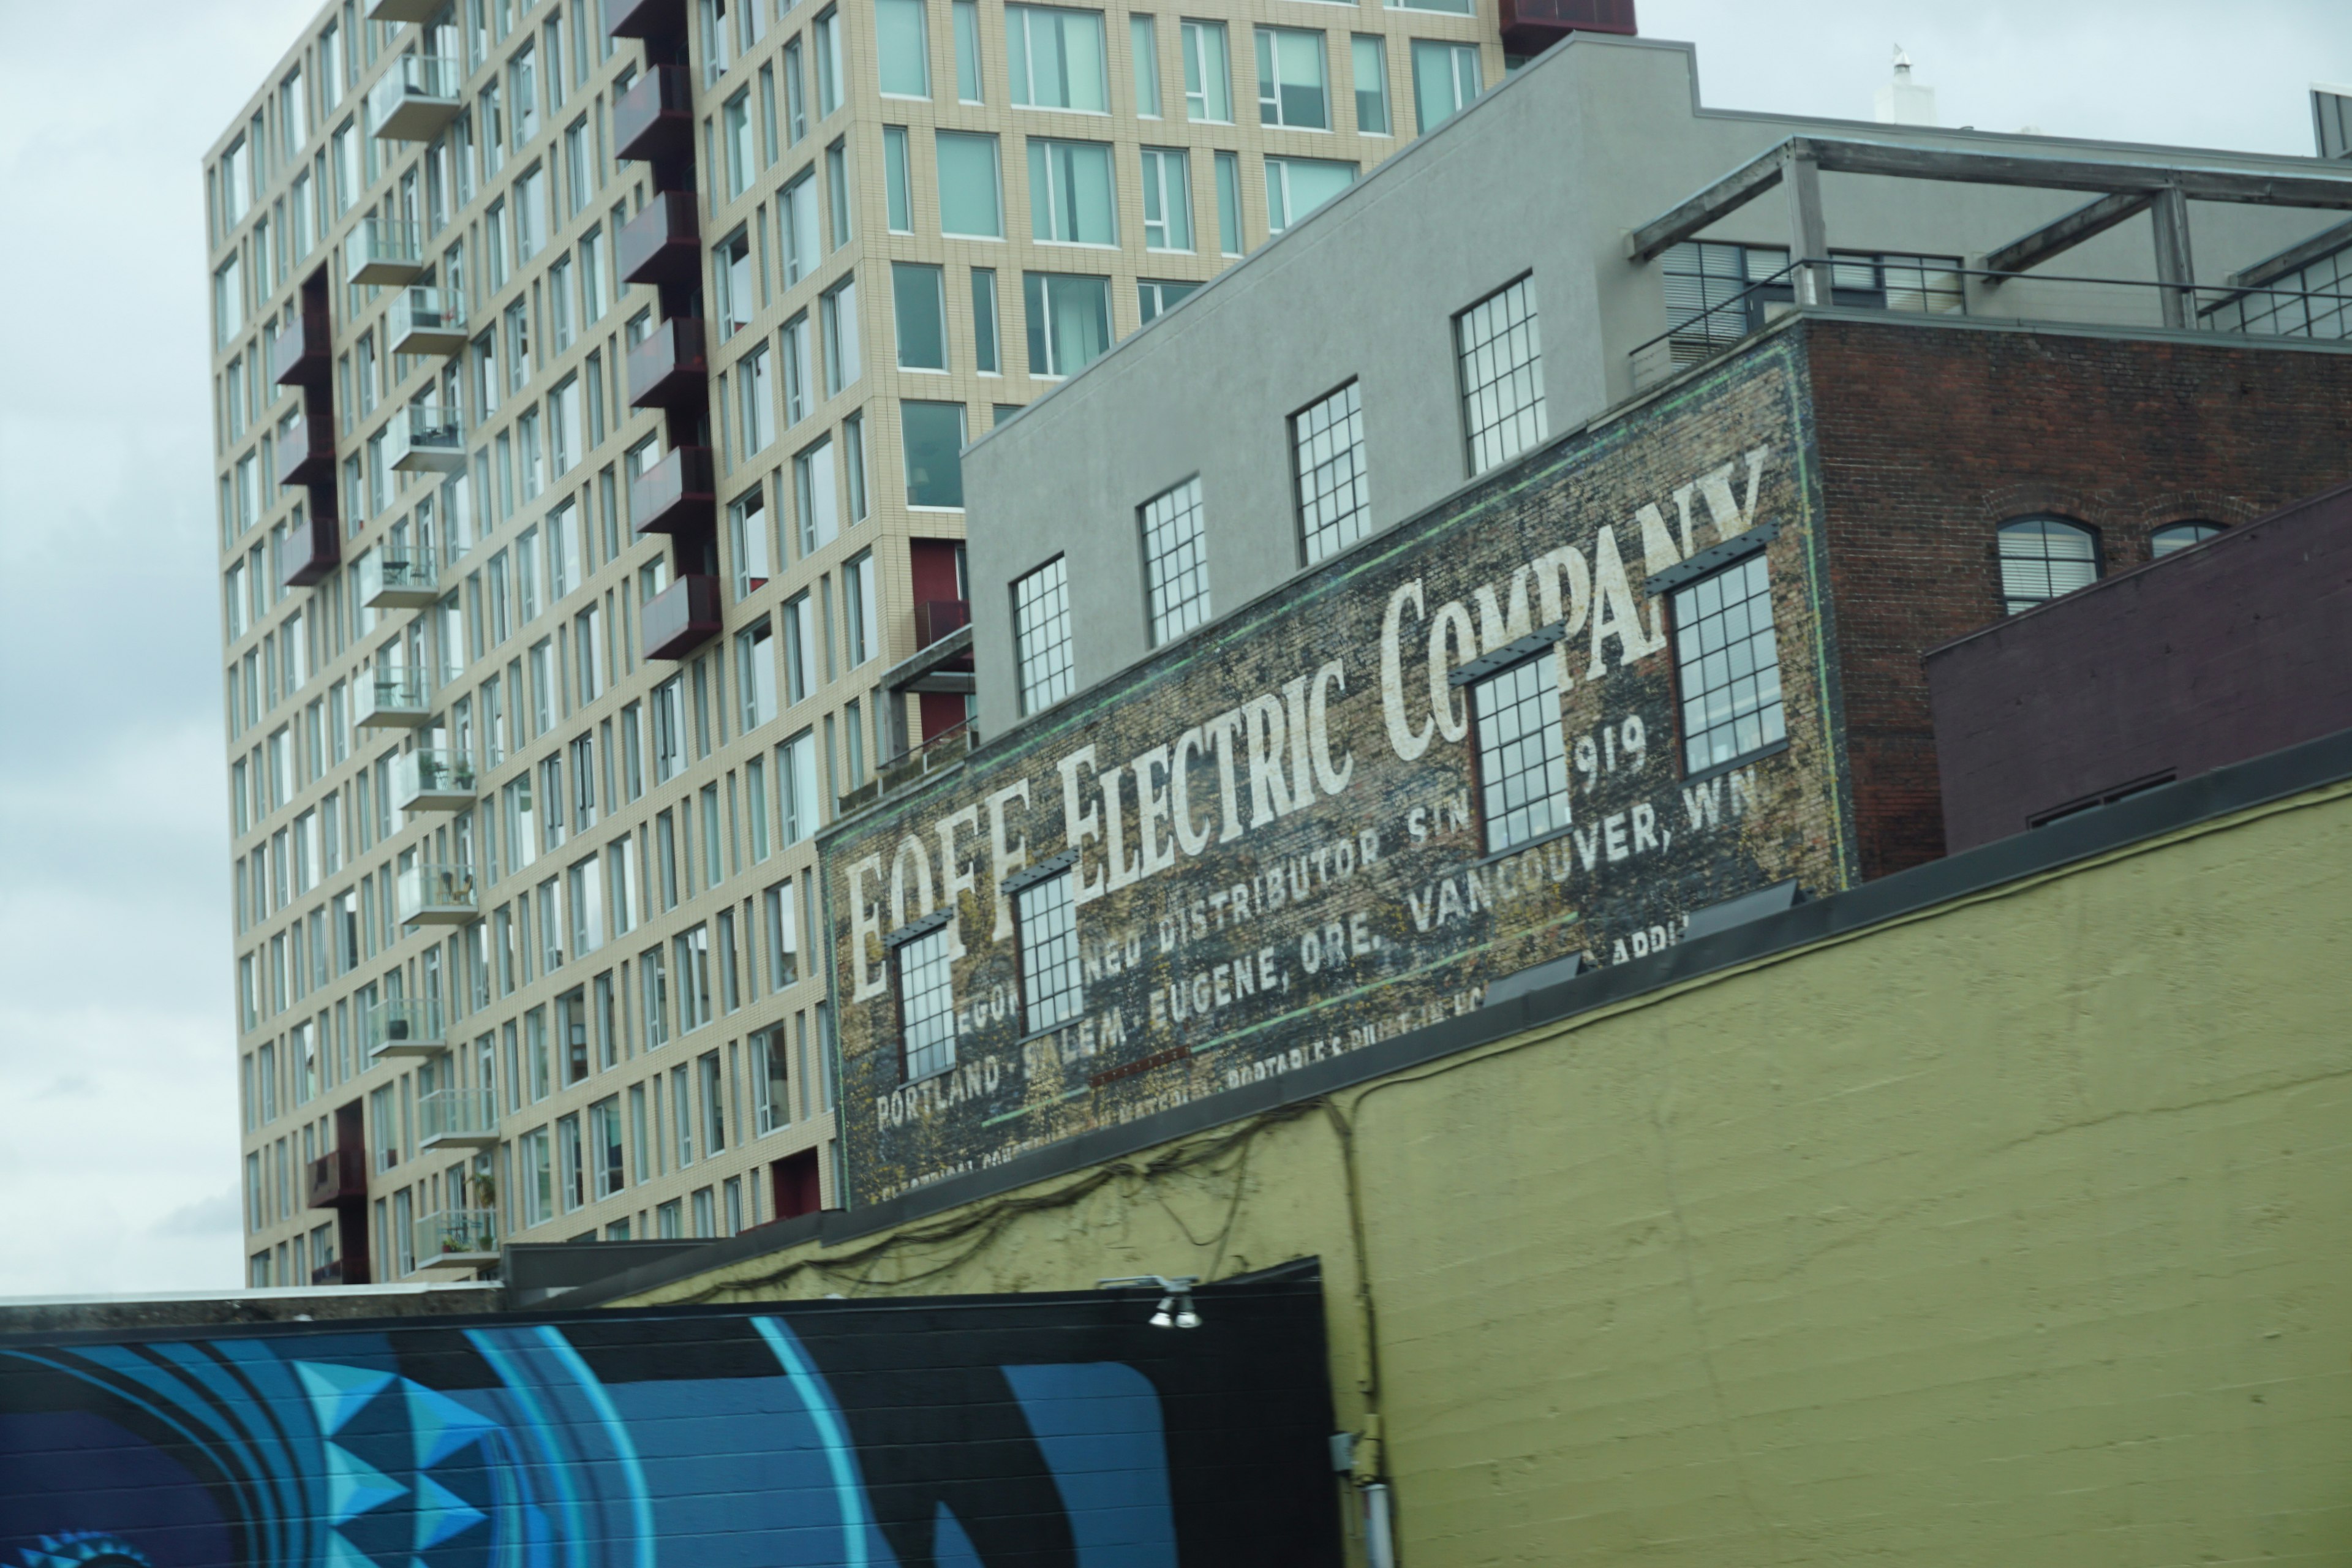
[{"x": 117, "y": 1134}]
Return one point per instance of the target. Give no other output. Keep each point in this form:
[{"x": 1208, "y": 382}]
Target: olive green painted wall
[{"x": 2017, "y": 1232}]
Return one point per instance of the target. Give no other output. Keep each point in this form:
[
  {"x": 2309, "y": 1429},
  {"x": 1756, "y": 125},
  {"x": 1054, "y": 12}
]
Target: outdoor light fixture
[{"x": 1175, "y": 1309}]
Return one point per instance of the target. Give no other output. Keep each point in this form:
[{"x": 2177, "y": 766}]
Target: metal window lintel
[
  {"x": 1043, "y": 871},
  {"x": 1509, "y": 654},
  {"x": 1714, "y": 558}
]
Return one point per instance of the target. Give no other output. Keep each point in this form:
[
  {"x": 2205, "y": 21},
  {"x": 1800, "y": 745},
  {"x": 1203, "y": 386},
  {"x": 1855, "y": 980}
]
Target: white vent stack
[{"x": 1904, "y": 102}]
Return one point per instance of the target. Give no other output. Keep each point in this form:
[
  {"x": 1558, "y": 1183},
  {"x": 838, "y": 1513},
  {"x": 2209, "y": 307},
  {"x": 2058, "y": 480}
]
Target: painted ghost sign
[
  {"x": 1340, "y": 814},
  {"x": 962, "y": 1433}
]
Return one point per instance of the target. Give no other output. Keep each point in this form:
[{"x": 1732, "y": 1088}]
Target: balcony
[
  {"x": 415, "y": 98},
  {"x": 314, "y": 548},
  {"x": 456, "y": 1119},
  {"x": 422, "y": 439},
  {"x": 1531, "y": 27},
  {"x": 398, "y": 11},
  {"x": 306, "y": 455},
  {"x": 645, "y": 18},
  {"x": 331, "y": 1272},
  {"x": 429, "y": 779},
  {"x": 402, "y": 1027},
  {"x": 669, "y": 368},
  {"x": 936, "y": 618},
  {"x": 654, "y": 119},
  {"x": 391, "y": 700},
  {"x": 389, "y": 581},
  {"x": 680, "y": 618},
  {"x": 663, "y": 244},
  {"x": 383, "y": 250},
  {"x": 338, "y": 1177},
  {"x": 677, "y": 495},
  {"x": 301, "y": 355},
  {"x": 441, "y": 895},
  {"x": 427, "y": 320},
  {"x": 455, "y": 1240}
]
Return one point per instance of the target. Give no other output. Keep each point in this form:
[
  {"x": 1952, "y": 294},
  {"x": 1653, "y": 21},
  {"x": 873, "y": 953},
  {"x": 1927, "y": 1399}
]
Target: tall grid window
[
  {"x": 1051, "y": 993},
  {"x": 1334, "y": 497},
  {"x": 926, "y": 1005},
  {"x": 1522, "y": 756},
  {"x": 1041, "y": 634},
  {"x": 1502, "y": 376},
  {"x": 1175, "y": 569},
  {"x": 2042, "y": 557},
  {"x": 1729, "y": 662},
  {"x": 2315, "y": 300}
]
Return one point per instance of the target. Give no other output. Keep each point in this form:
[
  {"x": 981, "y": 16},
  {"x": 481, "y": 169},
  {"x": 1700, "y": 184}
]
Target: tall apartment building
[{"x": 590, "y": 388}]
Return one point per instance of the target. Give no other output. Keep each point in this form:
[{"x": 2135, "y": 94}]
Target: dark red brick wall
[
  {"x": 2239, "y": 647},
  {"x": 1931, "y": 438}
]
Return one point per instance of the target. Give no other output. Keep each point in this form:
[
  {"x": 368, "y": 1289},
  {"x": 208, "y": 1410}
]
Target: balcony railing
[
  {"x": 383, "y": 250},
  {"x": 392, "y": 700},
  {"x": 402, "y": 1027},
  {"x": 306, "y": 454},
  {"x": 427, "y": 320},
  {"x": 424, "y": 438},
  {"x": 935, "y": 618},
  {"x": 681, "y": 617},
  {"x": 675, "y": 495},
  {"x": 407, "y": 581},
  {"x": 431, "y": 779},
  {"x": 645, "y": 18},
  {"x": 947, "y": 747},
  {"x": 417, "y": 97},
  {"x": 300, "y": 356},
  {"x": 438, "y": 894},
  {"x": 314, "y": 547},
  {"x": 337, "y": 1177},
  {"x": 331, "y": 1272},
  {"x": 460, "y": 1237},
  {"x": 663, "y": 244},
  {"x": 654, "y": 119},
  {"x": 459, "y": 1118},
  {"x": 669, "y": 367}
]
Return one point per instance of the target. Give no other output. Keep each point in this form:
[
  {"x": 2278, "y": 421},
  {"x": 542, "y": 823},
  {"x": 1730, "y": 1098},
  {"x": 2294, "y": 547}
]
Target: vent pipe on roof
[{"x": 1904, "y": 102}]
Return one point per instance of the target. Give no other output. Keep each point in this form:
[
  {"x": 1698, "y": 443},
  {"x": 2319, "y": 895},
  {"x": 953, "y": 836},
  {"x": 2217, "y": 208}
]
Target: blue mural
[{"x": 636, "y": 1441}]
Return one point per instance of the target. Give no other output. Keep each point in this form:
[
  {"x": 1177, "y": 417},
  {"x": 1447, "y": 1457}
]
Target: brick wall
[{"x": 1930, "y": 438}]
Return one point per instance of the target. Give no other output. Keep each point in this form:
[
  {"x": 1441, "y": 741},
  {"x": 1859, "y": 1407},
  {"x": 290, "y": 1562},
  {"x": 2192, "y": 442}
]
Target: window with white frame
[
  {"x": 1175, "y": 566},
  {"x": 970, "y": 193},
  {"x": 747, "y": 540},
  {"x": 1167, "y": 199},
  {"x": 1291, "y": 86},
  {"x": 1208, "y": 73},
  {"x": 1068, "y": 321},
  {"x": 1522, "y": 751},
  {"x": 1297, "y": 186},
  {"x": 755, "y": 674},
  {"x": 1444, "y": 80},
  {"x": 927, "y": 1032},
  {"x": 1047, "y": 921},
  {"x": 1041, "y": 636},
  {"x": 1071, "y": 195},
  {"x": 1501, "y": 359},
  {"x": 1327, "y": 442},
  {"x": 902, "y": 49},
  {"x": 862, "y": 635},
  {"x": 1055, "y": 58},
  {"x": 1728, "y": 665}
]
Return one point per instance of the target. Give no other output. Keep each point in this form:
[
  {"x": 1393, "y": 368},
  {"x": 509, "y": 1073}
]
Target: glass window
[
  {"x": 1041, "y": 636},
  {"x": 1297, "y": 186},
  {"x": 1208, "y": 73},
  {"x": 837, "y": 309},
  {"x": 796, "y": 219},
  {"x": 2315, "y": 300},
  {"x": 1444, "y": 80},
  {"x": 731, "y": 273},
  {"x": 1229, "y": 203},
  {"x": 755, "y": 675},
  {"x": 1501, "y": 358},
  {"x": 983, "y": 322},
  {"x": 1154, "y": 295},
  {"x": 1728, "y": 665},
  {"x": 798, "y": 376},
  {"x": 1069, "y": 320},
  {"x": 819, "y": 502},
  {"x": 836, "y": 183},
  {"x": 970, "y": 193},
  {"x": 1167, "y": 200},
  {"x": 1326, "y": 441},
  {"x": 1175, "y": 568},
  {"x": 926, "y": 1006},
  {"x": 902, "y": 45},
  {"x": 1522, "y": 755},
  {"x": 1291, "y": 89},
  {"x": 2174, "y": 536},
  {"x": 967, "y": 48},
  {"x": 756, "y": 395},
  {"x": 933, "y": 436},
  {"x": 2042, "y": 557},
  {"x": 1052, "y": 992},
  {"x": 897, "y": 197},
  {"x": 826, "y": 38},
  {"x": 1370, "y": 57},
  {"x": 1070, "y": 199},
  {"x": 1143, "y": 44},
  {"x": 1055, "y": 58},
  {"x": 863, "y": 632},
  {"x": 920, "y": 305},
  {"x": 743, "y": 162}
]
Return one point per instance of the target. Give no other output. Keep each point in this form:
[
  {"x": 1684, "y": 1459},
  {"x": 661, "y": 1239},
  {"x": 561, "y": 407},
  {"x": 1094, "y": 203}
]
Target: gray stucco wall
[{"x": 1545, "y": 175}]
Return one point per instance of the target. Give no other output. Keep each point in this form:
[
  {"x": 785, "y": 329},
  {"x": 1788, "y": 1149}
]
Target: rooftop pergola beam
[
  {"x": 2064, "y": 234},
  {"x": 1719, "y": 201}
]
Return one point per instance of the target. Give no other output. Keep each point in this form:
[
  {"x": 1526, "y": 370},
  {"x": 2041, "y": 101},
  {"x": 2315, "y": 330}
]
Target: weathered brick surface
[{"x": 1929, "y": 439}]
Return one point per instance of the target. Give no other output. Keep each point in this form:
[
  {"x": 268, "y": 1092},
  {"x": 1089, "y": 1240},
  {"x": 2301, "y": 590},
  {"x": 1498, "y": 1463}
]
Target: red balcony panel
[
  {"x": 339, "y": 1177},
  {"x": 645, "y": 18},
  {"x": 307, "y": 454},
  {"x": 935, "y": 618},
  {"x": 314, "y": 548},
  {"x": 654, "y": 119},
  {"x": 1531, "y": 27},
  {"x": 669, "y": 368},
  {"x": 680, "y": 618},
  {"x": 299, "y": 357},
  {"x": 663, "y": 244},
  {"x": 677, "y": 495}
]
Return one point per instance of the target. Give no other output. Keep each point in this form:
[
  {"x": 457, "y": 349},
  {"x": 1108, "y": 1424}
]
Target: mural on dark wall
[
  {"x": 1272, "y": 834},
  {"x": 1051, "y": 1433}
]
